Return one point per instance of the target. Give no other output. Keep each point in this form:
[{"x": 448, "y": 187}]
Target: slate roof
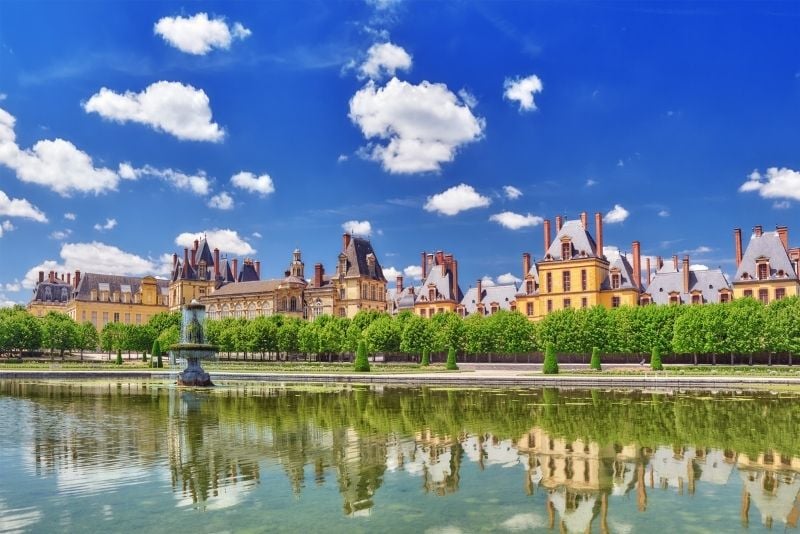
[
  {"x": 767, "y": 245},
  {"x": 246, "y": 288},
  {"x": 582, "y": 241},
  {"x": 502, "y": 294},
  {"x": 626, "y": 274},
  {"x": 667, "y": 280},
  {"x": 56, "y": 291},
  {"x": 248, "y": 273},
  {"x": 406, "y": 299},
  {"x": 204, "y": 253},
  {"x": 440, "y": 278},
  {"x": 357, "y": 265},
  {"x": 90, "y": 281}
]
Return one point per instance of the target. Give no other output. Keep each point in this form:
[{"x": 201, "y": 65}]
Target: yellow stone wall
[
  {"x": 353, "y": 298},
  {"x": 432, "y": 308},
  {"x": 184, "y": 291},
  {"x": 99, "y": 313},
  {"x": 40, "y": 309},
  {"x": 791, "y": 287}
]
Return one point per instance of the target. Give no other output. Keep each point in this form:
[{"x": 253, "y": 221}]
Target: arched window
[
  {"x": 239, "y": 311},
  {"x": 293, "y": 304},
  {"x": 226, "y": 311},
  {"x": 251, "y": 310},
  {"x": 284, "y": 304}
]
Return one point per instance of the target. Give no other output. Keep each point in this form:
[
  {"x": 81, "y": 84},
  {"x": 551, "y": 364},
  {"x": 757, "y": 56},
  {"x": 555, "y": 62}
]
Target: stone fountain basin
[{"x": 195, "y": 350}]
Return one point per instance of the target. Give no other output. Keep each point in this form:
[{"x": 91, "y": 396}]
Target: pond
[{"x": 146, "y": 456}]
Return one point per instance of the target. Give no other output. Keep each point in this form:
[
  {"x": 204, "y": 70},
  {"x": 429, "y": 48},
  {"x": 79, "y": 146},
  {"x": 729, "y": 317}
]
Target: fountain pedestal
[
  {"x": 193, "y": 347},
  {"x": 194, "y": 375}
]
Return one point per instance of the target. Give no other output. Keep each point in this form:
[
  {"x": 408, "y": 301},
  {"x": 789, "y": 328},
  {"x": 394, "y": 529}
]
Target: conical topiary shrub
[
  {"x": 119, "y": 357},
  {"x": 155, "y": 359},
  {"x": 451, "y": 360},
  {"x": 655, "y": 360},
  {"x": 426, "y": 357},
  {"x": 362, "y": 362},
  {"x": 595, "y": 363},
  {"x": 550, "y": 366}
]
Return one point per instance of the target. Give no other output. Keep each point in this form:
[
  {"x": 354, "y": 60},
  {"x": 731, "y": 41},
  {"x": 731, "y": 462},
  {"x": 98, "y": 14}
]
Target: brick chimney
[
  {"x": 455, "y": 279},
  {"x": 598, "y": 224},
  {"x": 659, "y": 263},
  {"x": 258, "y": 268},
  {"x": 585, "y": 220},
  {"x": 546, "y": 236},
  {"x": 559, "y": 223},
  {"x": 647, "y": 263},
  {"x": 783, "y": 234},
  {"x": 439, "y": 257},
  {"x": 41, "y": 276},
  {"x": 685, "y": 274},
  {"x": 194, "y": 253},
  {"x": 345, "y": 241},
  {"x": 424, "y": 265},
  {"x": 399, "y": 284},
  {"x": 77, "y": 278},
  {"x": 69, "y": 279},
  {"x": 526, "y": 264},
  {"x": 637, "y": 264},
  {"x": 758, "y": 230},
  {"x": 185, "y": 261},
  {"x": 318, "y": 272},
  {"x": 174, "y": 261},
  {"x": 235, "y": 269},
  {"x": 675, "y": 261},
  {"x": 479, "y": 287},
  {"x": 737, "y": 241},
  {"x": 216, "y": 264}
]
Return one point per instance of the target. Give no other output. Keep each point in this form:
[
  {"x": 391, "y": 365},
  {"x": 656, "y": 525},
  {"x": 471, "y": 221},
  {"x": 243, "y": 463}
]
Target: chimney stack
[
  {"x": 424, "y": 265},
  {"x": 647, "y": 263},
  {"x": 258, "y": 268},
  {"x": 318, "y": 272},
  {"x": 659, "y": 263},
  {"x": 585, "y": 220},
  {"x": 194, "y": 253},
  {"x": 235, "y": 269},
  {"x": 685, "y": 274},
  {"x": 174, "y": 261},
  {"x": 783, "y": 234},
  {"x": 479, "y": 286},
  {"x": 758, "y": 231},
  {"x": 185, "y": 261},
  {"x": 737, "y": 241},
  {"x": 345, "y": 241},
  {"x": 216, "y": 264},
  {"x": 399, "y": 284},
  {"x": 526, "y": 264},
  {"x": 559, "y": 223},
  {"x": 455, "y": 280},
  {"x": 637, "y": 265},
  {"x": 69, "y": 279},
  {"x": 41, "y": 276},
  {"x": 675, "y": 262},
  {"x": 598, "y": 223},
  {"x": 77, "y": 278},
  {"x": 546, "y": 236}
]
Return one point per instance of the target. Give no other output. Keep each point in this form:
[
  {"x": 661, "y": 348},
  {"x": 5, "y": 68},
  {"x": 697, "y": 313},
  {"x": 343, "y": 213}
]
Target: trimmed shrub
[
  {"x": 550, "y": 366},
  {"x": 655, "y": 360},
  {"x": 451, "y": 360},
  {"x": 155, "y": 360},
  {"x": 426, "y": 357},
  {"x": 119, "y": 357},
  {"x": 595, "y": 363},
  {"x": 362, "y": 361}
]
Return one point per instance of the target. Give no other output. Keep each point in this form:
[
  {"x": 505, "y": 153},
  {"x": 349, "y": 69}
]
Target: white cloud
[
  {"x": 198, "y": 35},
  {"x": 357, "y": 227},
  {"x": 69, "y": 216},
  {"x": 424, "y": 125},
  {"x": 524, "y": 522},
  {"x": 698, "y": 267},
  {"x": 413, "y": 271},
  {"x": 508, "y": 278},
  {"x": 775, "y": 183},
  {"x": 110, "y": 224},
  {"x": 512, "y": 192},
  {"x": 515, "y": 221},
  {"x": 342, "y": 158},
  {"x": 616, "y": 215},
  {"x": 222, "y": 201},
  {"x": 14, "y": 286},
  {"x": 6, "y": 302},
  {"x": 19, "y": 207},
  {"x": 663, "y": 213},
  {"x": 7, "y": 226},
  {"x": 1, "y": 231},
  {"x": 456, "y": 199},
  {"x": 257, "y": 235},
  {"x": 172, "y": 107},
  {"x": 94, "y": 257},
  {"x": 225, "y": 240},
  {"x": 487, "y": 281},
  {"x": 384, "y": 59},
  {"x": 468, "y": 98},
  {"x": 196, "y": 183},
  {"x": 781, "y": 205},
  {"x": 383, "y": 4},
  {"x": 522, "y": 90},
  {"x": 390, "y": 273},
  {"x": 255, "y": 184},
  {"x": 590, "y": 182},
  {"x": 702, "y": 249},
  {"x": 3, "y": 96},
  {"x": 56, "y": 164},
  {"x": 61, "y": 235}
]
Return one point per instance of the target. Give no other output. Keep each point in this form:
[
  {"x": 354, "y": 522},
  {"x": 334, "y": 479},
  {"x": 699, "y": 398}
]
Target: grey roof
[
  {"x": 534, "y": 272},
  {"x": 503, "y": 295},
  {"x": 204, "y": 253},
  {"x": 405, "y": 301},
  {"x": 248, "y": 273},
  {"x": 246, "y": 288},
  {"x": 583, "y": 245},
  {"x": 440, "y": 278},
  {"x": 357, "y": 264},
  {"x": 114, "y": 283},
  {"x": 56, "y": 291},
  {"x": 668, "y": 280},
  {"x": 769, "y": 246},
  {"x": 626, "y": 274}
]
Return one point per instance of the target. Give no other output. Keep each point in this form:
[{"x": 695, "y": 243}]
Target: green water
[{"x": 147, "y": 457}]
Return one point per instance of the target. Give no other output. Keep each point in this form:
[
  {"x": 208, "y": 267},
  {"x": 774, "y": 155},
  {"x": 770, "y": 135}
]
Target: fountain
[{"x": 193, "y": 347}]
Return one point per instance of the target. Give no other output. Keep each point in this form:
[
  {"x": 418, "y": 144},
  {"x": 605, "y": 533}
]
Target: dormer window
[
  {"x": 696, "y": 299},
  {"x": 674, "y": 299},
  {"x": 615, "y": 280},
  {"x": 431, "y": 294},
  {"x": 763, "y": 270},
  {"x": 566, "y": 250},
  {"x": 201, "y": 270},
  {"x": 529, "y": 286}
]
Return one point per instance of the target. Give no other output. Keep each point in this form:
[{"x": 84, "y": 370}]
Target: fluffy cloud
[
  {"x": 590, "y": 182},
  {"x": 515, "y": 221},
  {"x": 61, "y": 235},
  {"x": 423, "y": 125},
  {"x": 198, "y": 35},
  {"x": 698, "y": 267},
  {"x": 357, "y": 227},
  {"x": 781, "y": 205},
  {"x": 775, "y": 183},
  {"x": 255, "y": 184},
  {"x": 384, "y": 59},
  {"x": 257, "y": 235},
  {"x": 391, "y": 273},
  {"x": 225, "y": 240},
  {"x": 663, "y": 213},
  {"x": 511, "y": 192},
  {"x": 522, "y": 91},
  {"x": 110, "y": 224},
  {"x": 14, "y": 286},
  {"x": 413, "y": 271},
  {"x": 616, "y": 215},
  {"x": 456, "y": 199},
  {"x": 180, "y": 110},
  {"x": 56, "y": 164},
  {"x": 487, "y": 281},
  {"x": 196, "y": 183},
  {"x": 7, "y": 226},
  {"x": 94, "y": 257},
  {"x": 508, "y": 278},
  {"x": 19, "y": 207},
  {"x": 222, "y": 201},
  {"x": 69, "y": 216}
]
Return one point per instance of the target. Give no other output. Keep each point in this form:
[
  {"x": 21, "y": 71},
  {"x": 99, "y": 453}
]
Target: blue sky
[{"x": 126, "y": 127}]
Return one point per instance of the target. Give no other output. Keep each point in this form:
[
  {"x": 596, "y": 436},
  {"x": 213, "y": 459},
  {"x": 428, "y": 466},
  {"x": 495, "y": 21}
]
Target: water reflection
[{"x": 579, "y": 457}]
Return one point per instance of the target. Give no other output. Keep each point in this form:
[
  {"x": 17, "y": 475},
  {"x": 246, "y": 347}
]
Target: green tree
[
  {"x": 112, "y": 337},
  {"x": 783, "y": 325},
  {"x": 447, "y": 330},
  {"x": 655, "y": 359},
  {"x": 362, "y": 361},
  {"x": 308, "y": 337},
  {"x": 156, "y": 354},
  {"x": 164, "y": 320},
  {"x": 287, "y": 335},
  {"x": 745, "y": 324},
  {"x": 426, "y": 357},
  {"x": 119, "y": 357},
  {"x": 169, "y": 337},
  {"x": 451, "y": 360},
  {"x": 508, "y": 332},
  {"x": 263, "y": 334},
  {"x": 550, "y": 366},
  {"x": 416, "y": 335},
  {"x": 88, "y": 338},
  {"x": 59, "y": 332},
  {"x": 595, "y": 363},
  {"x": 383, "y": 335},
  {"x": 19, "y": 330}
]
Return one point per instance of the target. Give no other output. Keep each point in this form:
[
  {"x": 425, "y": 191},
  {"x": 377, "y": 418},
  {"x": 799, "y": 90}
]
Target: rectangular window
[
  {"x": 549, "y": 282},
  {"x": 615, "y": 302},
  {"x": 780, "y": 293},
  {"x": 549, "y": 305},
  {"x": 116, "y": 317},
  {"x": 529, "y": 286},
  {"x": 762, "y": 271},
  {"x": 724, "y": 297},
  {"x": 763, "y": 296},
  {"x": 127, "y": 318},
  {"x": 440, "y": 310},
  {"x": 529, "y": 308},
  {"x": 748, "y": 293},
  {"x": 695, "y": 299},
  {"x": 422, "y": 313},
  {"x": 565, "y": 280},
  {"x": 567, "y": 303},
  {"x": 138, "y": 318},
  {"x": 584, "y": 302},
  {"x": 584, "y": 282},
  {"x": 105, "y": 318},
  {"x": 614, "y": 281},
  {"x": 94, "y": 318},
  {"x": 83, "y": 315}
]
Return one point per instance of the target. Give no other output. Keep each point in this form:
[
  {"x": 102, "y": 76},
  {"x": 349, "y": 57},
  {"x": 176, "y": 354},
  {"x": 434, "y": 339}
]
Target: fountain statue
[{"x": 193, "y": 347}]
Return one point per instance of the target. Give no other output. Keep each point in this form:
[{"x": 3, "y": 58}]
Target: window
[
  {"x": 373, "y": 293},
  {"x": 105, "y": 318},
  {"x": 138, "y": 318},
  {"x": 780, "y": 293},
  {"x": 431, "y": 294},
  {"x": 748, "y": 293},
  {"x": 94, "y": 318},
  {"x": 341, "y": 294},
  {"x": 529, "y": 286},
  {"x": 549, "y": 305},
  {"x": 549, "y": 278},
  {"x": 584, "y": 302},
  {"x": 127, "y": 318},
  {"x": 566, "y": 251},
  {"x": 673, "y": 299},
  {"x": 494, "y": 309},
  {"x": 461, "y": 311},
  {"x": 615, "y": 302},
  {"x": 567, "y": 303},
  {"x": 316, "y": 308},
  {"x": 438, "y": 310},
  {"x": 696, "y": 299},
  {"x": 565, "y": 281},
  {"x": 201, "y": 270},
  {"x": 422, "y": 312},
  {"x": 293, "y": 304},
  {"x": 342, "y": 312},
  {"x": 116, "y": 317},
  {"x": 583, "y": 280},
  {"x": 529, "y": 308},
  {"x": 202, "y": 292},
  {"x": 763, "y": 271},
  {"x": 724, "y": 297},
  {"x": 763, "y": 295},
  {"x": 645, "y": 301},
  {"x": 615, "y": 281}
]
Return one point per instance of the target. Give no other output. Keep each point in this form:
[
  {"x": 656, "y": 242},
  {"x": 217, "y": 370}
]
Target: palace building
[
  {"x": 674, "y": 284},
  {"x": 768, "y": 269},
  {"x": 440, "y": 291}
]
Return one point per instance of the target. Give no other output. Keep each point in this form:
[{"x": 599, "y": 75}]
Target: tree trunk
[
  {"x": 751, "y": 359},
  {"x": 695, "y": 359},
  {"x": 731, "y": 359},
  {"x": 714, "y": 359}
]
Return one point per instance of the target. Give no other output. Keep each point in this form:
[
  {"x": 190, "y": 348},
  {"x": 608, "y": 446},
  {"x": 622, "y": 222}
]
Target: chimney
[
  {"x": 685, "y": 274},
  {"x": 585, "y": 220},
  {"x": 783, "y": 234},
  {"x": 399, "y": 284},
  {"x": 675, "y": 262},
  {"x": 439, "y": 257},
  {"x": 41, "y": 276},
  {"x": 185, "y": 261},
  {"x": 546, "y": 235},
  {"x": 194, "y": 253},
  {"x": 647, "y": 262},
  {"x": 526, "y": 264},
  {"x": 455, "y": 279},
  {"x": 637, "y": 265},
  {"x": 318, "y": 272},
  {"x": 174, "y": 260},
  {"x": 479, "y": 298},
  {"x": 345, "y": 241},
  {"x": 216, "y": 264},
  {"x": 424, "y": 265},
  {"x": 559, "y": 223},
  {"x": 77, "y": 278},
  {"x": 62, "y": 277},
  {"x": 235, "y": 269},
  {"x": 69, "y": 279},
  {"x": 758, "y": 230},
  {"x": 598, "y": 223},
  {"x": 737, "y": 241},
  {"x": 50, "y": 276}
]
